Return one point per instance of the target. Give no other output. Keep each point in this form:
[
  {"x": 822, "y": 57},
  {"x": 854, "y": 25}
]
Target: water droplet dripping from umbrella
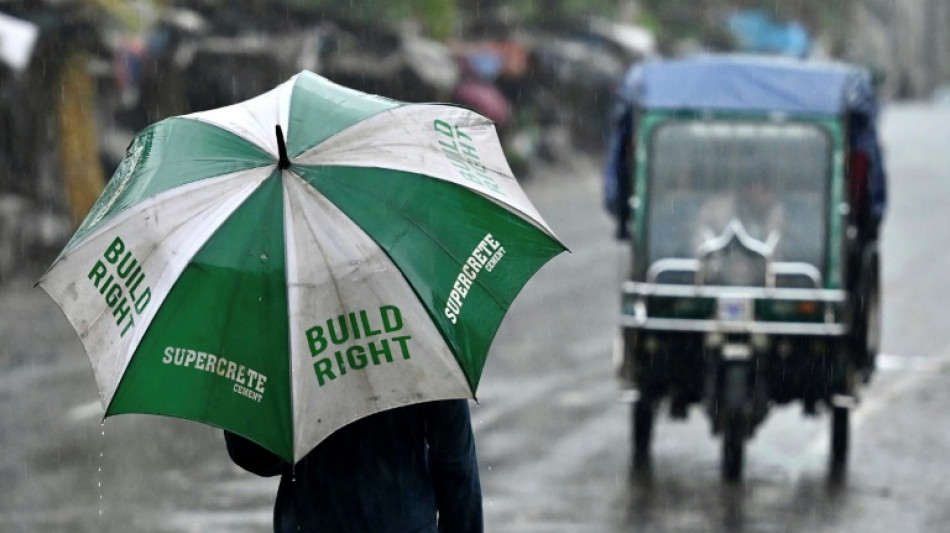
[{"x": 102, "y": 426}]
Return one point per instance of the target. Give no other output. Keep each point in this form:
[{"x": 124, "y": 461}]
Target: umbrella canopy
[{"x": 281, "y": 288}]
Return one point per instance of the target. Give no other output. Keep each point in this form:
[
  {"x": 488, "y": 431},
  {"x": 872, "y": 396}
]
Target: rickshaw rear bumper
[
  {"x": 718, "y": 326},
  {"x": 672, "y": 354},
  {"x": 735, "y": 312}
]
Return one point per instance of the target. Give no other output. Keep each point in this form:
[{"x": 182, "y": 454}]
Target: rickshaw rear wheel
[
  {"x": 872, "y": 326},
  {"x": 733, "y": 444},
  {"x": 840, "y": 429},
  {"x": 735, "y": 422},
  {"x": 866, "y": 334},
  {"x": 642, "y": 426}
]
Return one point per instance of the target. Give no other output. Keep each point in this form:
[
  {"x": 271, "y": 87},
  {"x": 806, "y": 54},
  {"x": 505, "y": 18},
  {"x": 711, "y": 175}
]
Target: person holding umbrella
[
  {"x": 409, "y": 469},
  {"x": 329, "y": 294}
]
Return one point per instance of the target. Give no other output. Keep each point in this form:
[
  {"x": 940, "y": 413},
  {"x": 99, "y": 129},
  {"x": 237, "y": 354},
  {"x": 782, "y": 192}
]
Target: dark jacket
[
  {"x": 617, "y": 171},
  {"x": 394, "y": 471}
]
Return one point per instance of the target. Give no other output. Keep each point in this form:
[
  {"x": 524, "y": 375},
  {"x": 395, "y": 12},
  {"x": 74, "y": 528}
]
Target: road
[{"x": 551, "y": 429}]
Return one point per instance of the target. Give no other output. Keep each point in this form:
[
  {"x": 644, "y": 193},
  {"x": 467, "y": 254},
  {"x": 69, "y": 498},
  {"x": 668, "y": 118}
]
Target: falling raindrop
[{"x": 102, "y": 442}]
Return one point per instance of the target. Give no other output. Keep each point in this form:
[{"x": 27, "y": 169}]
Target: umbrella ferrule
[{"x": 283, "y": 161}]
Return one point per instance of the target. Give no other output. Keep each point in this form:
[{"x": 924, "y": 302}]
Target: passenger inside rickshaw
[{"x": 753, "y": 204}]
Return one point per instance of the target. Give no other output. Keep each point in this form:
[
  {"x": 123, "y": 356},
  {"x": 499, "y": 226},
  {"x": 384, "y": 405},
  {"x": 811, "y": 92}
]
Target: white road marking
[{"x": 915, "y": 368}]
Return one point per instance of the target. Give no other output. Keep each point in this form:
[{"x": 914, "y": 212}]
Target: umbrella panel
[
  {"x": 169, "y": 154},
  {"x": 217, "y": 351},
  {"x": 465, "y": 256}
]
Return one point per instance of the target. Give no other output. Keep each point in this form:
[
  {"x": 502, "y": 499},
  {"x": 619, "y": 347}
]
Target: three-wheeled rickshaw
[{"x": 751, "y": 190}]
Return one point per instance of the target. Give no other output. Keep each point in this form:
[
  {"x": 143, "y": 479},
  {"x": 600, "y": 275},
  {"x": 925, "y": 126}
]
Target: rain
[{"x": 555, "y": 416}]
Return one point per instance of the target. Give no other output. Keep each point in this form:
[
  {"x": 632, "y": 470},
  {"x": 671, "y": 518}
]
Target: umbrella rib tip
[{"x": 283, "y": 162}]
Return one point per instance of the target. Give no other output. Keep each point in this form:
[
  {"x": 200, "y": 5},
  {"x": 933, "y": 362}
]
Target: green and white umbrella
[{"x": 281, "y": 289}]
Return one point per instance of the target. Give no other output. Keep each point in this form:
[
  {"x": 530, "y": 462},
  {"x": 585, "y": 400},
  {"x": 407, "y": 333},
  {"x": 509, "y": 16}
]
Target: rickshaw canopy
[
  {"x": 742, "y": 83},
  {"x": 751, "y": 83}
]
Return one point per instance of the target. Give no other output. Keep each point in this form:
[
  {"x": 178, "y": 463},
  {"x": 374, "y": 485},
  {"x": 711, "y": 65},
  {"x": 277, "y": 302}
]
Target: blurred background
[{"x": 78, "y": 78}]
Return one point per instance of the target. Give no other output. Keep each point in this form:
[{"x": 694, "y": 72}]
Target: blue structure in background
[{"x": 756, "y": 31}]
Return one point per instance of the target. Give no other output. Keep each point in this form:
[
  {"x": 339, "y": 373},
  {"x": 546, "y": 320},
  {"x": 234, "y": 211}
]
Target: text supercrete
[
  {"x": 246, "y": 381},
  {"x": 485, "y": 256}
]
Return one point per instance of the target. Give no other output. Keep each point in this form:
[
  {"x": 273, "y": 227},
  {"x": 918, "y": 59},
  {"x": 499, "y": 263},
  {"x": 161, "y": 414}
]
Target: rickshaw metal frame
[
  {"x": 636, "y": 316},
  {"x": 634, "y": 313}
]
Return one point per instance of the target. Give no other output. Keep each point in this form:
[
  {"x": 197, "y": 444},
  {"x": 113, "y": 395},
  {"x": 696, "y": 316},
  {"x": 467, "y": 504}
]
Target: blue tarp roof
[{"x": 751, "y": 83}]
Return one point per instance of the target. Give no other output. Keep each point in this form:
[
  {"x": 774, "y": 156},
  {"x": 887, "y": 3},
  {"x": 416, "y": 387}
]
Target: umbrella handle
[{"x": 283, "y": 161}]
